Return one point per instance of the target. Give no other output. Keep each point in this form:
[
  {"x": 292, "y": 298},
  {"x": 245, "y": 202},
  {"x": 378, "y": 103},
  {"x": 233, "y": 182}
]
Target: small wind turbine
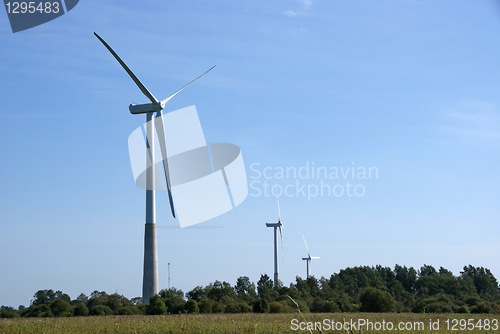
[
  {"x": 276, "y": 226},
  {"x": 308, "y": 258},
  {"x": 150, "y": 277}
]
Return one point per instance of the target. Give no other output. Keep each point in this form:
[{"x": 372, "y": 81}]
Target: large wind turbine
[
  {"x": 150, "y": 277},
  {"x": 308, "y": 258},
  {"x": 276, "y": 226}
]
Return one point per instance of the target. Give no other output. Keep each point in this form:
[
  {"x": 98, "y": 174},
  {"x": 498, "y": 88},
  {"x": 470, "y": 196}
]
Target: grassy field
[{"x": 250, "y": 323}]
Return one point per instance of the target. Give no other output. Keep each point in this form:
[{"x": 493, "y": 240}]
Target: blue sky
[{"x": 409, "y": 87}]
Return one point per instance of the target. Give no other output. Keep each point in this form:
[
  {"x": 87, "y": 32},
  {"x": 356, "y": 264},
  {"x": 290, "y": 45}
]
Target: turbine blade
[
  {"x": 307, "y": 248},
  {"x": 139, "y": 84},
  {"x": 160, "y": 131},
  {"x": 315, "y": 257},
  {"x": 164, "y": 101}
]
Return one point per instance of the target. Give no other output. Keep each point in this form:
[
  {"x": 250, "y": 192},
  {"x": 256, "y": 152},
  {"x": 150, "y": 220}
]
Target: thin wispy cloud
[
  {"x": 305, "y": 4},
  {"x": 473, "y": 120}
]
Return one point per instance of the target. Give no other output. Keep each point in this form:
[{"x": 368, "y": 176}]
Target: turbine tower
[
  {"x": 276, "y": 226},
  {"x": 150, "y": 276},
  {"x": 308, "y": 258}
]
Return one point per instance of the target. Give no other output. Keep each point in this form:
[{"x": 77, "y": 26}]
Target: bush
[
  {"x": 42, "y": 310},
  {"x": 237, "y": 308},
  {"x": 376, "y": 300},
  {"x": 438, "y": 307},
  {"x": 61, "y": 308},
  {"x": 100, "y": 310},
  {"x": 192, "y": 307},
  {"x": 481, "y": 308},
  {"x": 80, "y": 310},
  {"x": 217, "y": 308},
  {"x": 261, "y": 306},
  {"x": 330, "y": 307},
  {"x": 156, "y": 306},
  {"x": 8, "y": 312},
  {"x": 277, "y": 307},
  {"x": 463, "y": 309},
  {"x": 127, "y": 310},
  {"x": 206, "y": 305}
]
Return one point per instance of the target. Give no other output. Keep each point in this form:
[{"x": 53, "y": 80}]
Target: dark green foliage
[
  {"x": 197, "y": 293},
  {"x": 481, "y": 308},
  {"x": 80, "y": 310},
  {"x": 330, "y": 307},
  {"x": 61, "y": 308},
  {"x": 261, "y": 305},
  {"x": 217, "y": 307},
  {"x": 156, "y": 306},
  {"x": 100, "y": 310},
  {"x": 277, "y": 307},
  {"x": 484, "y": 281},
  {"x": 206, "y": 305},
  {"x": 245, "y": 289},
  {"x": 407, "y": 277},
  {"x": 238, "y": 308},
  {"x": 366, "y": 289},
  {"x": 264, "y": 286},
  {"x": 174, "y": 300},
  {"x": 376, "y": 300},
  {"x": 8, "y": 312},
  {"x": 192, "y": 307},
  {"x": 42, "y": 310},
  {"x": 438, "y": 307}
]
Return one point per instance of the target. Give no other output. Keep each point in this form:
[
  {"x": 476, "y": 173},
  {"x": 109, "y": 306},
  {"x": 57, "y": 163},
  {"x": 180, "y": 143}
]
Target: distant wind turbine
[
  {"x": 276, "y": 226},
  {"x": 150, "y": 277},
  {"x": 308, "y": 258}
]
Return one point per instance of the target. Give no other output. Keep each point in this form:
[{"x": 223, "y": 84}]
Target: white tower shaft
[
  {"x": 308, "y": 262},
  {"x": 276, "y": 269},
  {"x": 150, "y": 276}
]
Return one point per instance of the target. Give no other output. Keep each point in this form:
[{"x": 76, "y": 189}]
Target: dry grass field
[{"x": 258, "y": 323}]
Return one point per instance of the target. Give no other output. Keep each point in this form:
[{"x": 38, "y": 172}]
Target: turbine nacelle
[{"x": 145, "y": 108}]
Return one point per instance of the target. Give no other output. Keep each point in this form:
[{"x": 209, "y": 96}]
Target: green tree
[
  {"x": 407, "y": 277},
  {"x": 42, "y": 310},
  {"x": 80, "y": 310},
  {"x": 376, "y": 300},
  {"x": 237, "y": 307},
  {"x": 174, "y": 300},
  {"x": 218, "y": 289},
  {"x": 43, "y": 297},
  {"x": 484, "y": 281},
  {"x": 245, "y": 289},
  {"x": 156, "y": 306},
  {"x": 8, "y": 312},
  {"x": 82, "y": 298},
  {"x": 61, "y": 308},
  {"x": 261, "y": 305},
  {"x": 197, "y": 293},
  {"x": 264, "y": 286},
  {"x": 100, "y": 310},
  {"x": 206, "y": 305},
  {"x": 97, "y": 298},
  {"x": 278, "y": 307},
  {"x": 192, "y": 307}
]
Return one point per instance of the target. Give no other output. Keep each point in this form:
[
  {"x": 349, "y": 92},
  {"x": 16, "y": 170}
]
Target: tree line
[{"x": 357, "y": 289}]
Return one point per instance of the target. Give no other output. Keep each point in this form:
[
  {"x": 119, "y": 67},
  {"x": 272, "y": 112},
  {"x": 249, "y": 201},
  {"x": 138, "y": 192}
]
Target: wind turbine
[
  {"x": 150, "y": 276},
  {"x": 276, "y": 226},
  {"x": 308, "y": 258}
]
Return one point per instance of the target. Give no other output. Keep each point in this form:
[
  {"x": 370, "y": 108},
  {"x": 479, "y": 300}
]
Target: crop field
[{"x": 260, "y": 323}]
